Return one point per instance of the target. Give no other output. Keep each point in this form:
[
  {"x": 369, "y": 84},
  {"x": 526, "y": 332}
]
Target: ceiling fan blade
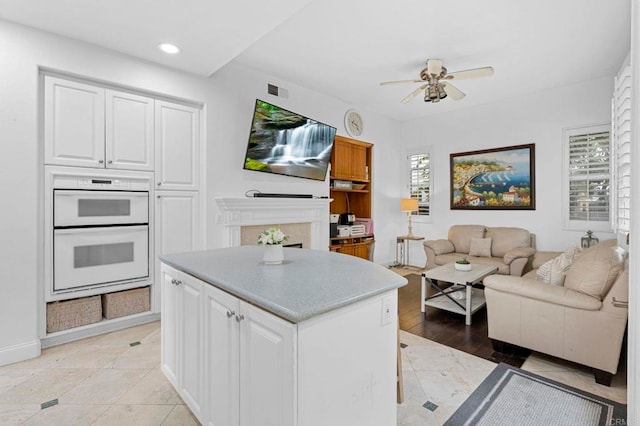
[
  {"x": 472, "y": 73},
  {"x": 455, "y": 93},
  {"x": 413, "y": 94},
  {"x": 384, "y": 83},
  {"x": 434, "y": 66}
]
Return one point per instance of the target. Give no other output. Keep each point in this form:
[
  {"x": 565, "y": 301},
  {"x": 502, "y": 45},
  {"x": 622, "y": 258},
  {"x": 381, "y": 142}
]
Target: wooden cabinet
[
  {"x": 232, "y": 363},
  {"x": 90, "y": 126},
  {"x": 354, "y": 246},
  {"x": 182, "y": 336},
  {"x": 177, "y": 146},
  {"x": 351, "y": 161}
]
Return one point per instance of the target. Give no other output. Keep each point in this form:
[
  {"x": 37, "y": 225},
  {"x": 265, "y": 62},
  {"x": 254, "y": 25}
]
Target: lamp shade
[{"x": 409, "y": 204}]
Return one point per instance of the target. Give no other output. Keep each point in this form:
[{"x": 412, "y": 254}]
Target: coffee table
[{"x": 463, "y": 281}]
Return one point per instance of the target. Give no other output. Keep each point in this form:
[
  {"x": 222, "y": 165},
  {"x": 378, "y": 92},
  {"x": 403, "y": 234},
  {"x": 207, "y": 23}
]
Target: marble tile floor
[{"x": 103, "y": 380}]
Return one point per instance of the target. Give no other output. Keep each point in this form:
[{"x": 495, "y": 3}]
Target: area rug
[
  {"x": 449, "y": 329},
  {"x": 511, "y": 396}
]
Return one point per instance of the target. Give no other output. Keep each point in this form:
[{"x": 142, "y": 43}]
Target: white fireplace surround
[{"x": 249, "y": 211}]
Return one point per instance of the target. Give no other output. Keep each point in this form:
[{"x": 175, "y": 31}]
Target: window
[
  {"x": 621, "y": 145},
  {"x": 420, "y": 180},
  {"x": 587, "y": 178}
]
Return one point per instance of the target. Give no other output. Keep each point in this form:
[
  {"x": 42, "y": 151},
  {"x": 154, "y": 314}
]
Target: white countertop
[{"x": 306, "y": 284}]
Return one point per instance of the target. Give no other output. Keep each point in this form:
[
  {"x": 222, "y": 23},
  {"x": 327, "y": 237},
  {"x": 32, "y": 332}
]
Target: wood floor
[{"x": 448, "y": 328}]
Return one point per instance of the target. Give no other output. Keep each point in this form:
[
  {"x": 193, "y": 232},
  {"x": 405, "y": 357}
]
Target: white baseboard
[
  {"x": 20, "y": 352},
  {"x": 105, "y": 326}
]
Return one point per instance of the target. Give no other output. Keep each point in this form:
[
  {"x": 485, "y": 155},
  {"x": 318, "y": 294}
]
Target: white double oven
[{"x": 97, "y": 231}]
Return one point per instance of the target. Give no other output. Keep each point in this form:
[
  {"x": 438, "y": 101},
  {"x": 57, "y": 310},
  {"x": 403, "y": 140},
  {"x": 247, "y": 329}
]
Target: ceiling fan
[{"x": 437, "y": 82}]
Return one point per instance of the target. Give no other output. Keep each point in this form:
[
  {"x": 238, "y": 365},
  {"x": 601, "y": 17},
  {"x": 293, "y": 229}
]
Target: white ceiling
[{"x": 344, "y": 48}]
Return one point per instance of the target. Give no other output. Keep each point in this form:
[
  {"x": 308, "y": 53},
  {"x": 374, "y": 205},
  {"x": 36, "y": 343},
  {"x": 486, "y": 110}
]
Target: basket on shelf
[
  {"x": 127, "y": 302},
  {"x": 73, "y": 313}
]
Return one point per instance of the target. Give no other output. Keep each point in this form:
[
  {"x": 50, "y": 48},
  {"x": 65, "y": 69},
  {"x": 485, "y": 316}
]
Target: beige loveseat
[
  {"x": 510, "y": 249},
  {"x": 578, "y": 321}
]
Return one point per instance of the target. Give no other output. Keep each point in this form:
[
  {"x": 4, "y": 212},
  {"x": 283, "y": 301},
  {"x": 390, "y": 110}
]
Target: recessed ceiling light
[{"x": 169, "y": 48}]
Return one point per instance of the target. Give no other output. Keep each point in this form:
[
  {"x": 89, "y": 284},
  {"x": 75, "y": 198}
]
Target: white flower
[{"x": 272, "y": 236}]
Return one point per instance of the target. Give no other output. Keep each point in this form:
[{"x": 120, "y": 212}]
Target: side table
[{"x": 402, "y": 249}]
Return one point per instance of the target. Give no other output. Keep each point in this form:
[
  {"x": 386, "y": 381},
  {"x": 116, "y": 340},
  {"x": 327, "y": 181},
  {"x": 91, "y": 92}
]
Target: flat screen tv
[{"x": 286, "y": 143}]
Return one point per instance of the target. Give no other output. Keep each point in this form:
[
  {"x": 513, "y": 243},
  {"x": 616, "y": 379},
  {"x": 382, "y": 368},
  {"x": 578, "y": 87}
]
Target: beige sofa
[
  {"x": 579, "y": 321},
  {"x": 511, "y": 249}
]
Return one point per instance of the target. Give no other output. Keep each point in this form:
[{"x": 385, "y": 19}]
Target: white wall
[
  {"x": 237, "y": 87},
  {"x": 536, "y": 118},
  {"x": 228, "y": 98}
]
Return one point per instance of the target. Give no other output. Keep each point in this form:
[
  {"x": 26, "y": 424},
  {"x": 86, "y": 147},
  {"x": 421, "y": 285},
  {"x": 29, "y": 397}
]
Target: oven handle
[
  {"x": 109, "y": 229},
  {"x": 128, "y": 194}
]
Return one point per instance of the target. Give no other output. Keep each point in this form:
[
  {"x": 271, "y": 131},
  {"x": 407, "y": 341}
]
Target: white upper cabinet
[
  {"x": 90, "y": 126},
  {"x": 73, "y": 123},
  {"x": 177, "y": 136},
  {"x": 129, "y": 131}
]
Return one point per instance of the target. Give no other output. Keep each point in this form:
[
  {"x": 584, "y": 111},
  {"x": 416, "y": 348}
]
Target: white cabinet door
[
  {"x": 129, "y": 128},
  {"x": 176, "y": 225},
  {"x": 267, "y": 369},
  {"x": 169, "y": 324},
  {"x": 222, "y": 360},
  {"x": 191, "y": 343},
  {"x": 73, "y": 123},
  {"x": 177, "y": 136}
]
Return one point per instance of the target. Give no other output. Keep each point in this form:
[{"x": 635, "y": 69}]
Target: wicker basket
[
  {"x": 128, "y": 302},
  {"x": 73, "y": 313}
]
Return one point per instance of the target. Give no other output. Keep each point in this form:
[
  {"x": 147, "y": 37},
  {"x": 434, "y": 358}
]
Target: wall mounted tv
[{"x": 286, "y": 143}]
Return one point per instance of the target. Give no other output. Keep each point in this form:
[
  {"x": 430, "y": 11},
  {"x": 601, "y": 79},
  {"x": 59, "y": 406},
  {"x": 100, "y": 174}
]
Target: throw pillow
[
  {"x": 554, "y": 271},
  {"x": 480, "y": 247},
  {"x": 596, "y": 269}
]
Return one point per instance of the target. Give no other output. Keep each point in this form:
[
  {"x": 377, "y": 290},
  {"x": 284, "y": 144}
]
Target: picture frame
[{"x": 493, "y": 179}]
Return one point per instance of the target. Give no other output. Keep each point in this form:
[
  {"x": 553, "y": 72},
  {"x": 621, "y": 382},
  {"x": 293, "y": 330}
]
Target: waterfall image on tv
[{"x": 287, "y": 143}]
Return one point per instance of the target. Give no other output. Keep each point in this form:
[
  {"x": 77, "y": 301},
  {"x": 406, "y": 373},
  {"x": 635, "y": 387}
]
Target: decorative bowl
[{"x": 462, "y": 266}]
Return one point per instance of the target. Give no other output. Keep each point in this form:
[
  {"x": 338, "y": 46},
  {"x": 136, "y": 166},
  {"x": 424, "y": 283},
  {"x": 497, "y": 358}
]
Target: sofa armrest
[
  {"x": 517, "y": 253},
  {"x": 432, "y": 248},
  {"x": 544, "y": 256},
  {"x": 532, "y": 289},
  {"x": 440, "y": 246}
]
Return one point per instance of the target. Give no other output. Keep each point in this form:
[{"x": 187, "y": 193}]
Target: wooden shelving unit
[{"x": 351, "y": 161}]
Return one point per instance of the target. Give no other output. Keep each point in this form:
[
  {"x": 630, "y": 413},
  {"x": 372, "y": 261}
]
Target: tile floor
[{"x": 103, "y": 380}]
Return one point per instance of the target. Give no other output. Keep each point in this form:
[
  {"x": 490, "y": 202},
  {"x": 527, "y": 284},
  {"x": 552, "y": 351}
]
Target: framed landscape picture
[{"x": 494, "y": 179}]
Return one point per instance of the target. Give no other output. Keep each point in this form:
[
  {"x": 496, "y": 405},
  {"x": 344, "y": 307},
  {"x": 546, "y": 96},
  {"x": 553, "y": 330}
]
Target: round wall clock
[{"x": 353, "y": 123}]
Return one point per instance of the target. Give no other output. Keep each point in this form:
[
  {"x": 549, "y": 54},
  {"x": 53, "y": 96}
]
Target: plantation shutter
[
  {"x": 420, "y": 181},
  {"x": 621, "y": 114},
  {"x": 589, "y": 176}
]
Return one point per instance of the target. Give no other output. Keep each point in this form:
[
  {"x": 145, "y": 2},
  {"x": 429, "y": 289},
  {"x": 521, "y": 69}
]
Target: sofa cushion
[
  {"x": 554, "y": 271},
  {"x": 440, "y": 246},
  {"x": 595, "y": 269},
  {"x": 505, "y": 239},
  {"x": 532, "y": 289},
  {"x": 480, "y": 247},
  {"x": 460, "y": 236}
]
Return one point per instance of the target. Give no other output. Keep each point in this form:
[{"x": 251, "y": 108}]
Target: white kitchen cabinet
[
  {"x": 176, "y": 226},
  {"x": 182, "y": 336},
  {"x": 90, "y": 126},
  {"x": 177, "y": 146},
  {"x": 129, "y": 127},
  {"x": 73, "y": 123},
  {"x": 267, "y": 389}
]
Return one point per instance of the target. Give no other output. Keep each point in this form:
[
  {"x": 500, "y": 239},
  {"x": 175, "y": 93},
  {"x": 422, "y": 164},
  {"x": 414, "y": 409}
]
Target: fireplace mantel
[{"x": 236, "y": 212}]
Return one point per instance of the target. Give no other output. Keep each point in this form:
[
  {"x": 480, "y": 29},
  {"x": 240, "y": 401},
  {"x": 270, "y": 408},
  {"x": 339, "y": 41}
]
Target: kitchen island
[{"x": 309, "y": 342}]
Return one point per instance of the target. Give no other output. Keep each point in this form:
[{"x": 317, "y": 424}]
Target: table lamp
[{"x": 409, "y": 205}]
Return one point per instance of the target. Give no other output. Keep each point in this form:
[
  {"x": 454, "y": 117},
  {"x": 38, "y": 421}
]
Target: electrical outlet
[{"x": 387, "y": 310}]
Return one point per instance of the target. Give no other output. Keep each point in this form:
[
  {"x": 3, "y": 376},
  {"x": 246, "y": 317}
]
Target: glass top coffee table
[{"x": 473, "y": 298}]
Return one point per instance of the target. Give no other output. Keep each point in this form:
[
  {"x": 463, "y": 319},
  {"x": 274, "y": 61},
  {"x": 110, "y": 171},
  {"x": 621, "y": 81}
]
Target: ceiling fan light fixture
[{"x": 434, "y": 93}]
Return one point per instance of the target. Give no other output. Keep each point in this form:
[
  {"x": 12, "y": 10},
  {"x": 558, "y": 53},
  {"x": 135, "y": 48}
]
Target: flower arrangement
[
  {"x": 272, "y": 236},
  {"x": 462, "y": 261}
]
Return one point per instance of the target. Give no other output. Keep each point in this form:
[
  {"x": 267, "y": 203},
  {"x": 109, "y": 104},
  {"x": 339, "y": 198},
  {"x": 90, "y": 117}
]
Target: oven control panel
[{"x": 101, "y": 183}]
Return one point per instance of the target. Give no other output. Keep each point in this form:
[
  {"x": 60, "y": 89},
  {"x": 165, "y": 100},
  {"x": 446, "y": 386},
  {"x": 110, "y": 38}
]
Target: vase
[{"x": 273, "y": 254}]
